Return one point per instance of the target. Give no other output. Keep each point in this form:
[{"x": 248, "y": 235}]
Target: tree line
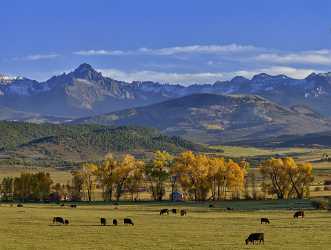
[{"x": 196, "y": 177}]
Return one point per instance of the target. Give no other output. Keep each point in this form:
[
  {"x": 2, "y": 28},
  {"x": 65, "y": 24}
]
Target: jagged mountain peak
[
  {"x": 261, "y": 76},
  {"x": 86, "y": 71},
  {"x": 239, "y": 79},
  {"x": 314, "y": 77}
]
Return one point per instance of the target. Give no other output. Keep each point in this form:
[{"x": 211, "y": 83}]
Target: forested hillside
[{"x": 25, "y": 143}]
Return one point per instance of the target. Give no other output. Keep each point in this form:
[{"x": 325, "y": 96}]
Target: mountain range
[
  {"x": 85, "y": 92},
  {"x": 214, "y": 119},
  {"x": 262, "y": 107}
]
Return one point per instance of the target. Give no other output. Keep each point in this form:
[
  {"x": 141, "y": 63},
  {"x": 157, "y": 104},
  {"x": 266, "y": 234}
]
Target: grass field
[
  {"x": 234, "y": 151},
  {"x": 30, "y": 227}
]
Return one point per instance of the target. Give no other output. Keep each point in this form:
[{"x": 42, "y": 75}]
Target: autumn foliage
[
  {"x": 197, "y": 177},
  {"x": 285, "y": 178}
]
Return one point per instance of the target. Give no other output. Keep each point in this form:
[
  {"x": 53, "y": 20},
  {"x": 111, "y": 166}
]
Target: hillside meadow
[{"x": 30, "y": 227}]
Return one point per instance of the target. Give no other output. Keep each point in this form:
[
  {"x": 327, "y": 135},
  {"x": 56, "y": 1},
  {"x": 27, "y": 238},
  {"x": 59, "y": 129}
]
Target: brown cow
[
  {"x": 183, "y": 212},
  {"x": 58, "y": 220},
  {"x": 299, "y": 213},
  {"x": 103, "y": 221},
  {"x": 164, "y": 211},
  {"x": 265, "y": 221},
  {"x": 255, "y": 237},
  {"x": 128, "y": 221}
]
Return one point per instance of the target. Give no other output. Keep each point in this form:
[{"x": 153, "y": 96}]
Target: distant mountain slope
[
  {"x": 7, "y": 114},
  {"x": 322, "y": 139},
  {"x": 85, "y": 92},
  {"x": 217, "y": 118},
  {"x": 47, "y": 143}
]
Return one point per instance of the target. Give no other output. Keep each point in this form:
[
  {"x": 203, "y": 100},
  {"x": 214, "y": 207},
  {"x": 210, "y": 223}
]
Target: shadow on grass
[{"x": 83, "y": 225}]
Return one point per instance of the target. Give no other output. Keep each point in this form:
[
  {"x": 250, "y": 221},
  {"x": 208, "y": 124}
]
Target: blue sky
[{"x": 180, "y": 41}]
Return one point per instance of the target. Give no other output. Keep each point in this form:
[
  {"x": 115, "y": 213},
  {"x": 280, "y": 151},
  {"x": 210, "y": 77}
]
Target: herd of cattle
[
  {"x": 252, "y": 238},
  {"x": 166, "y": 211},
  {"x": 259, "y": 237}
]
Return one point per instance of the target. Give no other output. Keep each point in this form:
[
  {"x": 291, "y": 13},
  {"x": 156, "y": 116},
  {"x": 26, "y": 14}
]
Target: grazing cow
[
  {"x": 66, "y": 222},
  {"x": 62, "y": 205},
  {"x": 20, "y": 205},
  {"x": 128, "y": 221},
  {"x": 73, "y": 205},
  {"x": 265, "y": 221},
  {"x": 299, "y": 213},
  {"x": 174, "y": 211},
  {"x": 255, "y": 237},
  {"x": 114, "y": 222},
  {"x": 229, "y": 208},
  {"x": 103, "y": 221},
  {"x": 58, "y": 220},
  {"x": 164, "y": 211},
  {"x": 211, "y": 205},
  {"x": 183, "y": 212}
]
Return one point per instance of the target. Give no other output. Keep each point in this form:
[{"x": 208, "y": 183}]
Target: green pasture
[{"x": 30, "y": 227}]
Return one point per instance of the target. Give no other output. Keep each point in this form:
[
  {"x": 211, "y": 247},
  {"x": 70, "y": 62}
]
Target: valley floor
[{"x": 30, "y": 227}]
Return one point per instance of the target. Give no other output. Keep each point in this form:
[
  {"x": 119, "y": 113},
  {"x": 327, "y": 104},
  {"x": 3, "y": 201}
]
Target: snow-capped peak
[{"x": 5, "y": 79}]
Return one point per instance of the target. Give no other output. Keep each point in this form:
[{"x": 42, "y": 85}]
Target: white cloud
[
  {"x": 192, "y": 49},
  {"x": 163, "y": 77},
  {"x": 100, "y": 52},
  {"x": 37, "y": 57},
  {"x": 200, "y": 49},
  {"x": 297, "y": 73},
  {"x": 202, "y": 77},
  {"x": 240, "y": 53},
  {"x": 319, "y": 57}
]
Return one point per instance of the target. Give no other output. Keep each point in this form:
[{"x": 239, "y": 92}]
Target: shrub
[{"x": 320, "y": 204}]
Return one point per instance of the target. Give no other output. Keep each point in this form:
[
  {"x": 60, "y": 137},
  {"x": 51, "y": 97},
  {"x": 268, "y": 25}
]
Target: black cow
[
  {"x": 265, "y": 221},
  {"x": 62, "y": 205},
  {"x": 66, "y": 222},
  {"x": 115, "y": 222},
  {"x": 128, "y": 221},
  {"x": 255, "y": 237},
  {"x": 299, "y": 213},
  {"x": 103, "y": 221},
  {"x": 19, "y": 205},
  {"x": 58, "y": 220},
  {"x": 174, "y": 211},
  {"x": 183, "y": 212},
  {"x": 73, "y": 205},
  {"x": 164, "y": 211},
  {"x": 211, "y": 205},
  {"x": 229, "y": 208}
]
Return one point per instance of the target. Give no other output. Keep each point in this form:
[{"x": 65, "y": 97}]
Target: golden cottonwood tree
[
  {"x": 235, "y": 177},
  {"x": 200, "y": 175},
  {"x": 128, "y": 170},
  {"x": 193, "y": 171},
  {"x": 88, "y": 174},
  {"x": 158, "y": 172},
  {"x": 285, "y": 178},
  {"x": 217, "y": 177},
  {"x": 105, "y": 174}
]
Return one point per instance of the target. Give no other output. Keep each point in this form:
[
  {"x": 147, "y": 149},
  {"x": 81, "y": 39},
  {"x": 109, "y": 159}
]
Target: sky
[{"x": 172, "y": 41}]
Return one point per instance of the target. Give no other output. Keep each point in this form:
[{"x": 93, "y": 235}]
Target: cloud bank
[{"x": 201, "y": 77}]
